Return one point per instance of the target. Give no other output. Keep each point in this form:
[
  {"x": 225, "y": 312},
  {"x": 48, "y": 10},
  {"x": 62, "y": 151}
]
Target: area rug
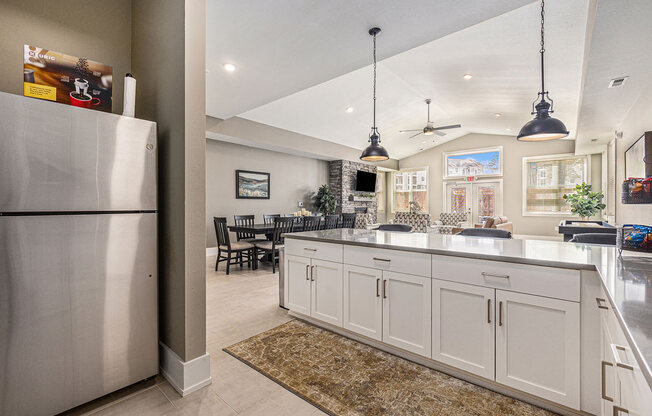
[{"x": 346, "y": 378}]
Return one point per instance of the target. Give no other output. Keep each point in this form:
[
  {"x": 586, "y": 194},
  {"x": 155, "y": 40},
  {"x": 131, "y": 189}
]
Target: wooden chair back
[
  {"x": 244, "y": 220},
  {"x": 282, "y": 226},
  {"x": 348, "y": 220},
  {"x": 222, "y": 232},
  {"x": 311, "y": 223},
  {"x": 331, "y": 221},
  {"x": 269, "y": 218}
]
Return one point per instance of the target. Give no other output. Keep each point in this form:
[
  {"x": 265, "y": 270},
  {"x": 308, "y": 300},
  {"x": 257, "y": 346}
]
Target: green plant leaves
[{"x": 584, "y": 202}]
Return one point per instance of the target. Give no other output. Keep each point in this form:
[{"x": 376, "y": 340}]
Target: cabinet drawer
[
  {"x": 537, "y": 280},
  {"x": 314, "y": 249},
  {"x": 391, "y": 260}
]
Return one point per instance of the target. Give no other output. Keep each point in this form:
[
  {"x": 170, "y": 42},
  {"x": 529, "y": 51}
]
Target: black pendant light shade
[
  {"x": 374, "y": 152},
  {"x": 543, "y": 127}
]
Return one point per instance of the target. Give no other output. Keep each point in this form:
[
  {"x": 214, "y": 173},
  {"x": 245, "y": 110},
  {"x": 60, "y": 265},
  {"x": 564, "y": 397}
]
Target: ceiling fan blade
[
  {"x": 405, "y": 131},
  {"x": 415, "y": 135},
  {"x": 439, "y": 133},
  {"x": 452, "y": 126}
]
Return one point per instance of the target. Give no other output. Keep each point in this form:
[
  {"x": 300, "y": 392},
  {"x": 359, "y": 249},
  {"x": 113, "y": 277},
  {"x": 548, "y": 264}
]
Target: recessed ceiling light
[
  {"x": 498, "y": 115},
  {"x": 468, "y": 76},
  {"x": 425, "y": 141},
  {"x": 229, "y": 67},
  {"x": 349, "y": 109},
  {"x": 508, "y": 129}
]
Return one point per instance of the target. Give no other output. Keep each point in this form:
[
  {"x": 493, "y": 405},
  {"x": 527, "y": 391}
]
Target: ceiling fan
[{"x": 430, "y": 129}]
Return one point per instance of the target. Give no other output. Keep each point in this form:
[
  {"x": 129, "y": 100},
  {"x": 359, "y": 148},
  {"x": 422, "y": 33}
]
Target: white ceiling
[
  {"x": 501, "y": 53},
  {"x": 284, "y": 46},
  {"x": 620, "y": 46}
]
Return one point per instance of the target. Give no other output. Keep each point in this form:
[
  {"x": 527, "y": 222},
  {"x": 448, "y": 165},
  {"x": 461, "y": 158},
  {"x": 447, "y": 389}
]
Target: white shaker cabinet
[
  {"x": 406, "y": 312},
  {"x": 463, "y": 320},
  {"x": 538, "y": 346},
  {"x": 297, "y": 282},
  {"x": 326, "y": 291},
  {"x": 363, "y": 304}
]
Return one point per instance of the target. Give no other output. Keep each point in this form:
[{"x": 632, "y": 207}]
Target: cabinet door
[
  {"x": 326, "y": 292},
  {"x": 609, "y": 393},
  {"x": 406, "y": 312},
  {"x": 635, "y": 394},
  {"x": 363, "y": 304},
  {"x": 538, "y": 346},
  {"x": 463, "y": 326},
  {"x": 297, "y": 284}
]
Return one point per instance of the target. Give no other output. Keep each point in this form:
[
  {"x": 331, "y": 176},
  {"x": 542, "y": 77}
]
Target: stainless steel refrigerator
[{"x": 78, "y": 254}]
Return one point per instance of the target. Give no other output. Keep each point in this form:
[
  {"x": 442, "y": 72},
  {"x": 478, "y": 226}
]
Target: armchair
[
  {"x": 419, "y": 221},
  {"x": 449, "y": 220}
]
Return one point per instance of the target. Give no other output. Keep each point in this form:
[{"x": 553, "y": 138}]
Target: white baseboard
[
  {"x": 184, "y": 376},
  {"x": 211, "y": 251}
]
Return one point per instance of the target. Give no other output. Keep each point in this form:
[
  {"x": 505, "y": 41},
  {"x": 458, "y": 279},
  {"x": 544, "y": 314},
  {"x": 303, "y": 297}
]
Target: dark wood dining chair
[
  {"x": 281, "y": 226},
  {"x": 311, "y": 223},
  {"x": 226, "y": 248},
  {"x": 244, "y": 221},
  {"x": 348, "y": 220},
  {"x": 331, "y": 221},
  {"x": 269, "y": 218}
]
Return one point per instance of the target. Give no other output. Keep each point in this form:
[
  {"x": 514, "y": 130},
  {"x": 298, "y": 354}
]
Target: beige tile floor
[{"x": 238, "y": 306}]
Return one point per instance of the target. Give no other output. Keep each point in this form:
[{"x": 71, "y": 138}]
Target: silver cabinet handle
[
  {"x": 310, "y": 249},
  {"x": 312, "y": 276},
  {"x": 488, "y": 311},
  {"x": 620, "y": 410},
  {"x": 502, "y": 276},
  {"x": 615, "y": 348},
  {"x": 604, "y": 380},
  {"x": 307, "y": 267},
  {"x": 384, "y": 289},
  {"x": 377, "y": 288},
  {"x": 500, "y": 313},
  {"x": 600, "y": 305},
  {"x": 379, "y": 259}
]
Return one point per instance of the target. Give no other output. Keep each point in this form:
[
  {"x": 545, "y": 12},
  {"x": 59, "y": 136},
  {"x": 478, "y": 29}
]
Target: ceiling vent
[{"x": 617, "y": 82}]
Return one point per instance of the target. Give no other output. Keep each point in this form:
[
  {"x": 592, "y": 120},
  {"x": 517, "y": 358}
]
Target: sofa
[
  {"x": 500, "y": 222},
  {"x": 449, "y": 221}
]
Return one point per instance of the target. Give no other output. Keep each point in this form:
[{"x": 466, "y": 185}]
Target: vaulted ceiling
[{"x": 301, "y": 63}]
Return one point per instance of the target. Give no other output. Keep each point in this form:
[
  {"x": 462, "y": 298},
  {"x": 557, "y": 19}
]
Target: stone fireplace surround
[{"x": 341, "y": 179}]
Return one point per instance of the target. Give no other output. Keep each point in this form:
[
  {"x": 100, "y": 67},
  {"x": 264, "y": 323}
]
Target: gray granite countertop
[{"x": 627, "y": 281}]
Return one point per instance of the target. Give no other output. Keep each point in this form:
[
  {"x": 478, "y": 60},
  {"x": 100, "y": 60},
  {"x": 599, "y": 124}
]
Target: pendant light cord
[
  {"x": 374, "y": 125},
  {"x": 543, "y": 49}
]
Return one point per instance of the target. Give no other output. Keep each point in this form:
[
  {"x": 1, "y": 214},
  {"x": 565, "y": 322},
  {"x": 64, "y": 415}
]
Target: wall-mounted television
[
  {"x": 638, "y": 158},
  {"x": 365, "y": 181}
]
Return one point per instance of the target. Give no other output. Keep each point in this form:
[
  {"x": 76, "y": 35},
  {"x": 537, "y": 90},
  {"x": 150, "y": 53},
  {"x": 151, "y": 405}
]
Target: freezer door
[
  {"x": 55, "y": 157},
  {"x": 78, "y": 309}
]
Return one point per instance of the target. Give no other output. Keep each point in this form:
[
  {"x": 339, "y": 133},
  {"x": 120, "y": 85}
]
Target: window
[
  {"x": 380, "y": 191},
  {"x": 547, "y": 178},
  {"x": 410, "y": 185},
  {"x": 477, "y": 162}
]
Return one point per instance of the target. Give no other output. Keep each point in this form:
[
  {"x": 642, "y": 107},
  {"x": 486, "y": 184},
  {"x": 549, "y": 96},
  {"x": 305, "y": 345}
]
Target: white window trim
[
  {"x": 470, "y": 152},
  {"x": 383, "y": 190},
  {"x": 391, "y": 193},
  {"x": 526, "y": 160},
  {"x": 458, "y": 182}
]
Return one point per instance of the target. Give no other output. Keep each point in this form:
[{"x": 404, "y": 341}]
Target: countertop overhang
[{"x": 627, "y": 281}]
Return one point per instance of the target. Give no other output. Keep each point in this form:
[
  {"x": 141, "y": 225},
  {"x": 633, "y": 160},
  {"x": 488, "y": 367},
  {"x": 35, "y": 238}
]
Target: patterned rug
[{"x": 346, "y": 378}]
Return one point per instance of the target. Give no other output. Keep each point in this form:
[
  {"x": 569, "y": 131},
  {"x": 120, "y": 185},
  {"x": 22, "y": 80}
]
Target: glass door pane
[{"x": 458, "y": 197}]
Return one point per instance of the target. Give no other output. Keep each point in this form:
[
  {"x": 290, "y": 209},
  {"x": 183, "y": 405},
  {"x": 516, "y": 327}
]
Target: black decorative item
[
  {"x": 374, "y": 152},
  {"x": 543, "y": 127},
  {"x": 251, "y": 185}
]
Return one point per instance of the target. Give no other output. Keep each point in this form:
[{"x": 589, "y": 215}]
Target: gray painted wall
[
  {"x": 513, "y": 152},
  {"x": 170, "y": 56},
  {"x": 94, "y": 29},
  {"x": 292, "y": 179},
  {"x": 637, "y": 122}
]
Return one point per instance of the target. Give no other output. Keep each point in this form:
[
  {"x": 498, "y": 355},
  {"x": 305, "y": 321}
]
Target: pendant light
[
  {"x": 543, "y": 127},
  {"x": 374, "y": 152}
]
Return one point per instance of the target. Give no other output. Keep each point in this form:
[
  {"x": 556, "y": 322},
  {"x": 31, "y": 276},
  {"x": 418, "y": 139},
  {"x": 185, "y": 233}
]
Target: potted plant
[
  {"x": 584, "y": 202},
  {"x": 325, "y": 200}
]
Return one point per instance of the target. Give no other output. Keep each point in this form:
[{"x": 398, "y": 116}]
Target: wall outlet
[{"x": 300, "y": 203}]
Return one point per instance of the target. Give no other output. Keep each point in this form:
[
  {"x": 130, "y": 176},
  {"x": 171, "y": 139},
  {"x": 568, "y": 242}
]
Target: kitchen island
[{"x": 560, "y": 325}]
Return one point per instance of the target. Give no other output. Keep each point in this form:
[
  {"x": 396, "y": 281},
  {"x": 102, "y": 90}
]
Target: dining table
[{"x": 258, "y": 229}]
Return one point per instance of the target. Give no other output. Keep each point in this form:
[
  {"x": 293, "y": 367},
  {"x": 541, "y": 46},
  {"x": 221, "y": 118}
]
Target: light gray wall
[
  {"x": 513, "y": 153},
  {"x": 292, "y": 179},
  {"x": 637, "y": 122},
  {"x": 95, "y": 29},
  {"x": 169, "y": 65}
]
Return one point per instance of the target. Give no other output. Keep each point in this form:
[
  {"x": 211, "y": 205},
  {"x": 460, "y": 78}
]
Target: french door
[{"x": 479, "y": 199}]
